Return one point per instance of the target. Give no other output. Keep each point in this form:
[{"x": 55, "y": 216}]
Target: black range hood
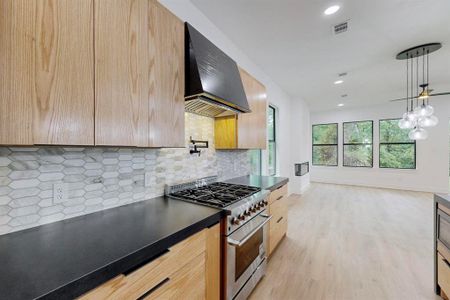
[{"x": 213, "y": 83}]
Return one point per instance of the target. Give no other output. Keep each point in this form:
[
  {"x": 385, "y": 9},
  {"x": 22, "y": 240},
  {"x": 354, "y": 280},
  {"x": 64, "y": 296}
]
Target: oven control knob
[
  {"x": 247, "y": 212},
  {"x": 241, "y": 217},
  {"x": 235, "y": 221},
  {"x": 253, "y": 209}
]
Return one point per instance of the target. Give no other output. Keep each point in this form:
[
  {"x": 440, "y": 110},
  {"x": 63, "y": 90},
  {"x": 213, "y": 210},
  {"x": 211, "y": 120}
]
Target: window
[
  {"x": 358, "y": 148},
  {"x": 325, "y": 148},
  {"x": 271, "y": 127},
  {"x": 255, "y": 161},
  {"x": 397, "y": 151}
]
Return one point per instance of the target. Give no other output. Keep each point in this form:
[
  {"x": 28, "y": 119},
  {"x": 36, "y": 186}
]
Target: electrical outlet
[
  {"x": 147, "y": 179},
  {"x": 60, "y": 192}
]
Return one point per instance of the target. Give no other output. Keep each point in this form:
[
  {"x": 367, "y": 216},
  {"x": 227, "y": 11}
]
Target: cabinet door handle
[
  {"x": 279, "y": 220},
  {"x": 446, "y": 262},
  {"x": 153, "y": 289},
  {"x": 279, "y": 198}
]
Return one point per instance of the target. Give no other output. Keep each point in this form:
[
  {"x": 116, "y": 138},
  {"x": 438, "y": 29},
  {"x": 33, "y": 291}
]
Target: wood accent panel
[
  {"x": 121, "y": 72},
  {"x": 444, "y": 209},
  {"x": 252, "y": 127},
  {"x": 279, "y": 192},
  {"x": 186, "y": 283},
  {"x": 166, "y": 70},
  {"x": 225, "y": 132},
  {"x": 213, "y": 260},
  {"x": 63, "y": 110},
  {"x": 443, "y": 274},
  {"x": 17, "y": 69},
  {"x": 137, "y": 283}
]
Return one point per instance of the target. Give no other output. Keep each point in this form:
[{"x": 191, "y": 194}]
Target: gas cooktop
[{"x": 218, "y": 194}]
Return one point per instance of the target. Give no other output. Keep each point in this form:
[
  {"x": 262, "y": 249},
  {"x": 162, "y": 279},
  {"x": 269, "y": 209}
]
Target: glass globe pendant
[
  {"x": 404, "y": 123},
  {"x": 424, "y": 110},
  {"x": 418, "y": 134},
  {"x": 429, "y": 121}
]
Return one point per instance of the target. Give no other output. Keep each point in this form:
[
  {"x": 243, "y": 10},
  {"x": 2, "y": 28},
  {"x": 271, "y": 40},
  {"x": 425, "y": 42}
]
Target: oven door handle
[{"x": 239, "y": 243}]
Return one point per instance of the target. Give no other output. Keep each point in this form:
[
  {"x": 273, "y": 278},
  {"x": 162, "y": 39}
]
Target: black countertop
[
  {"x": 264, "y": 182},
  {"x": 63, "y": 260},
  {"x": 443, "y": 199}
]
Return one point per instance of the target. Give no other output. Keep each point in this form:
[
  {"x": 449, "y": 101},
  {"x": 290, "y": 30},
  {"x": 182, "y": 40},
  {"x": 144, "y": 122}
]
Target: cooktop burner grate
[{"x": 217, "y": 194}]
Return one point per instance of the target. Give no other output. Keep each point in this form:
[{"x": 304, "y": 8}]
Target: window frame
[
  {"x": 354, "y": 144},
  {"x": 274, "y": 141},
  {"x": 337, "y": 145},
  {"x": 395, "y": 143}
]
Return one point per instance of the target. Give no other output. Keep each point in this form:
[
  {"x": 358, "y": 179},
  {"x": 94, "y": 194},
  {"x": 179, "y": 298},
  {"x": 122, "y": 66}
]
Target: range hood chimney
[{"x": 213, "y": 83}]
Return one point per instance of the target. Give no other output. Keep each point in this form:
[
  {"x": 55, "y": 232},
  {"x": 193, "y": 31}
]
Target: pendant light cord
[{"x": 407, "y": 82}]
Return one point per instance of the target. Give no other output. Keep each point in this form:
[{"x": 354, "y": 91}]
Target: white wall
[
  {"x": 432, "y": 170},
  {"x": 186, "y": 11}
]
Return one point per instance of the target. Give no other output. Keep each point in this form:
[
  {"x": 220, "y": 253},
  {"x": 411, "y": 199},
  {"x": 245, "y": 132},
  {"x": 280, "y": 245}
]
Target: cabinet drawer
[
  {"x": 187, "y": 283},
  {"x": 443, "y": 274},
  {"x": 151, "y": 275},
  {"x": 278, "y": 193},
  {"x": 277, "y": 230},
  {"x": 278, "y": 209}
]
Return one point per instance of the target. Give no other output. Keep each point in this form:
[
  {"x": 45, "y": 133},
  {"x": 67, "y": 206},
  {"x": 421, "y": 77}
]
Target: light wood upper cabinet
[
  {"x": 247, "y": 130},
  {"x": 139, "y": 74},
  {"x": 46, "y": 78},
  {"x": 121, "y": 72},
  {"x": 166, "y": 97},
  {"x": 252, "y": 127}
]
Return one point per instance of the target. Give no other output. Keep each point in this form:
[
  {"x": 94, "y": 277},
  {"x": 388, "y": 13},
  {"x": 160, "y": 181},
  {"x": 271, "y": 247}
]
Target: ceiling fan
[
  {"x": 424, "y": 94},
  {"x": 409, "y": 55}
]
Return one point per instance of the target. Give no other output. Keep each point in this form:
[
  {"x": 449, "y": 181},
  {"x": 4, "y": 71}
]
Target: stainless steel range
[{"x": 245, "y": 231}]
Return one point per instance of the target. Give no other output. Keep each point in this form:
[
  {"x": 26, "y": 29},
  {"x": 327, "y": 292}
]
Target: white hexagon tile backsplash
[{"x": 99, "y": 178}]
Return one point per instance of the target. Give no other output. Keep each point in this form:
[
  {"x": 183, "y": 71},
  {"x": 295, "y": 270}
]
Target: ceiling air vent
[{"x": 340, "y": 28}]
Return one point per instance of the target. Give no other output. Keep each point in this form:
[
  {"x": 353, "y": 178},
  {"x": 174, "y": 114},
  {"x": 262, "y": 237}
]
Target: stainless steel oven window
[{"x": 248, "y": 252}]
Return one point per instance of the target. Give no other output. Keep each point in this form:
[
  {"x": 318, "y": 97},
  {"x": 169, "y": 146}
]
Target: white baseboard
[{"x": 427, "y": 189}]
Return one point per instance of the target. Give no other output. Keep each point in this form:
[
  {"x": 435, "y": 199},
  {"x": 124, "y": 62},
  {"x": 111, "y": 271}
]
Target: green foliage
[
  {"x": 272, "y": 162},
  {"x": 325, "y": 155},
  {"x": 358, "y": 155},
  {"x": 358, "y": 132},
  {"x": 324, "y": 134},
  {"x": 392, "y": 155},
  {"x": 391, "y": 133}
]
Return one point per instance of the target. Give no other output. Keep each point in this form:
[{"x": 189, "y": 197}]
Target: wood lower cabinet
[
  {"x": 245, "y": 130},
  {"x": 47, "y": 72},
  {"x": 189, "y": 270},
  {"x": 278, "y": 209}
]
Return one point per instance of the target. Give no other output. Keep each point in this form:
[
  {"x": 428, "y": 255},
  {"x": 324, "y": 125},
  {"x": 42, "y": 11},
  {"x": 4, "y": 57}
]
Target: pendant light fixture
[{"x": 419, "y": 112}]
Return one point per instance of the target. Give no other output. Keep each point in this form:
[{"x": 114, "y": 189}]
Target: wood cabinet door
[
  {"x": 166, "y": 96},
  {"x": 252, "y": 127},
  {"x": 121, "y": 72},
  {"x": 46, "y": 78}
]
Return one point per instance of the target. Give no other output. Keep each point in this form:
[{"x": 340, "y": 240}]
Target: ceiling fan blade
[
  {"x": 431, "y": 95},
  {"x": 440, "y": 94},
  {"x": 399, "y": 99}
]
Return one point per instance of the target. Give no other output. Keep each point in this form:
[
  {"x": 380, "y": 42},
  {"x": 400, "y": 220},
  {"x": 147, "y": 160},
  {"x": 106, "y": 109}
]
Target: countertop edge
[
  {"x": 443, "y": 199},
  {"x": 92, "y": 280}
]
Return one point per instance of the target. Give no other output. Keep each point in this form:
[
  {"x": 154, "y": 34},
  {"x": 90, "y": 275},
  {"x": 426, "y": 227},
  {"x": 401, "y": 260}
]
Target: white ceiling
[{"x": 292, "y": 41}]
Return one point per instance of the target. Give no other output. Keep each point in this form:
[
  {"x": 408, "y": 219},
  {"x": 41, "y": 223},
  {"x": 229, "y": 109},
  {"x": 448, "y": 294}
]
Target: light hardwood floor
[{"x": 346, "y": 242}]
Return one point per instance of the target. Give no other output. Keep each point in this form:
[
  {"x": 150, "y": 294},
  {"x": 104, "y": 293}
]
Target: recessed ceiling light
[
  {"x": 338, "y": 81},
  {"x": 341, "y": 104},
  {"x": 331, "y": 10}
]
